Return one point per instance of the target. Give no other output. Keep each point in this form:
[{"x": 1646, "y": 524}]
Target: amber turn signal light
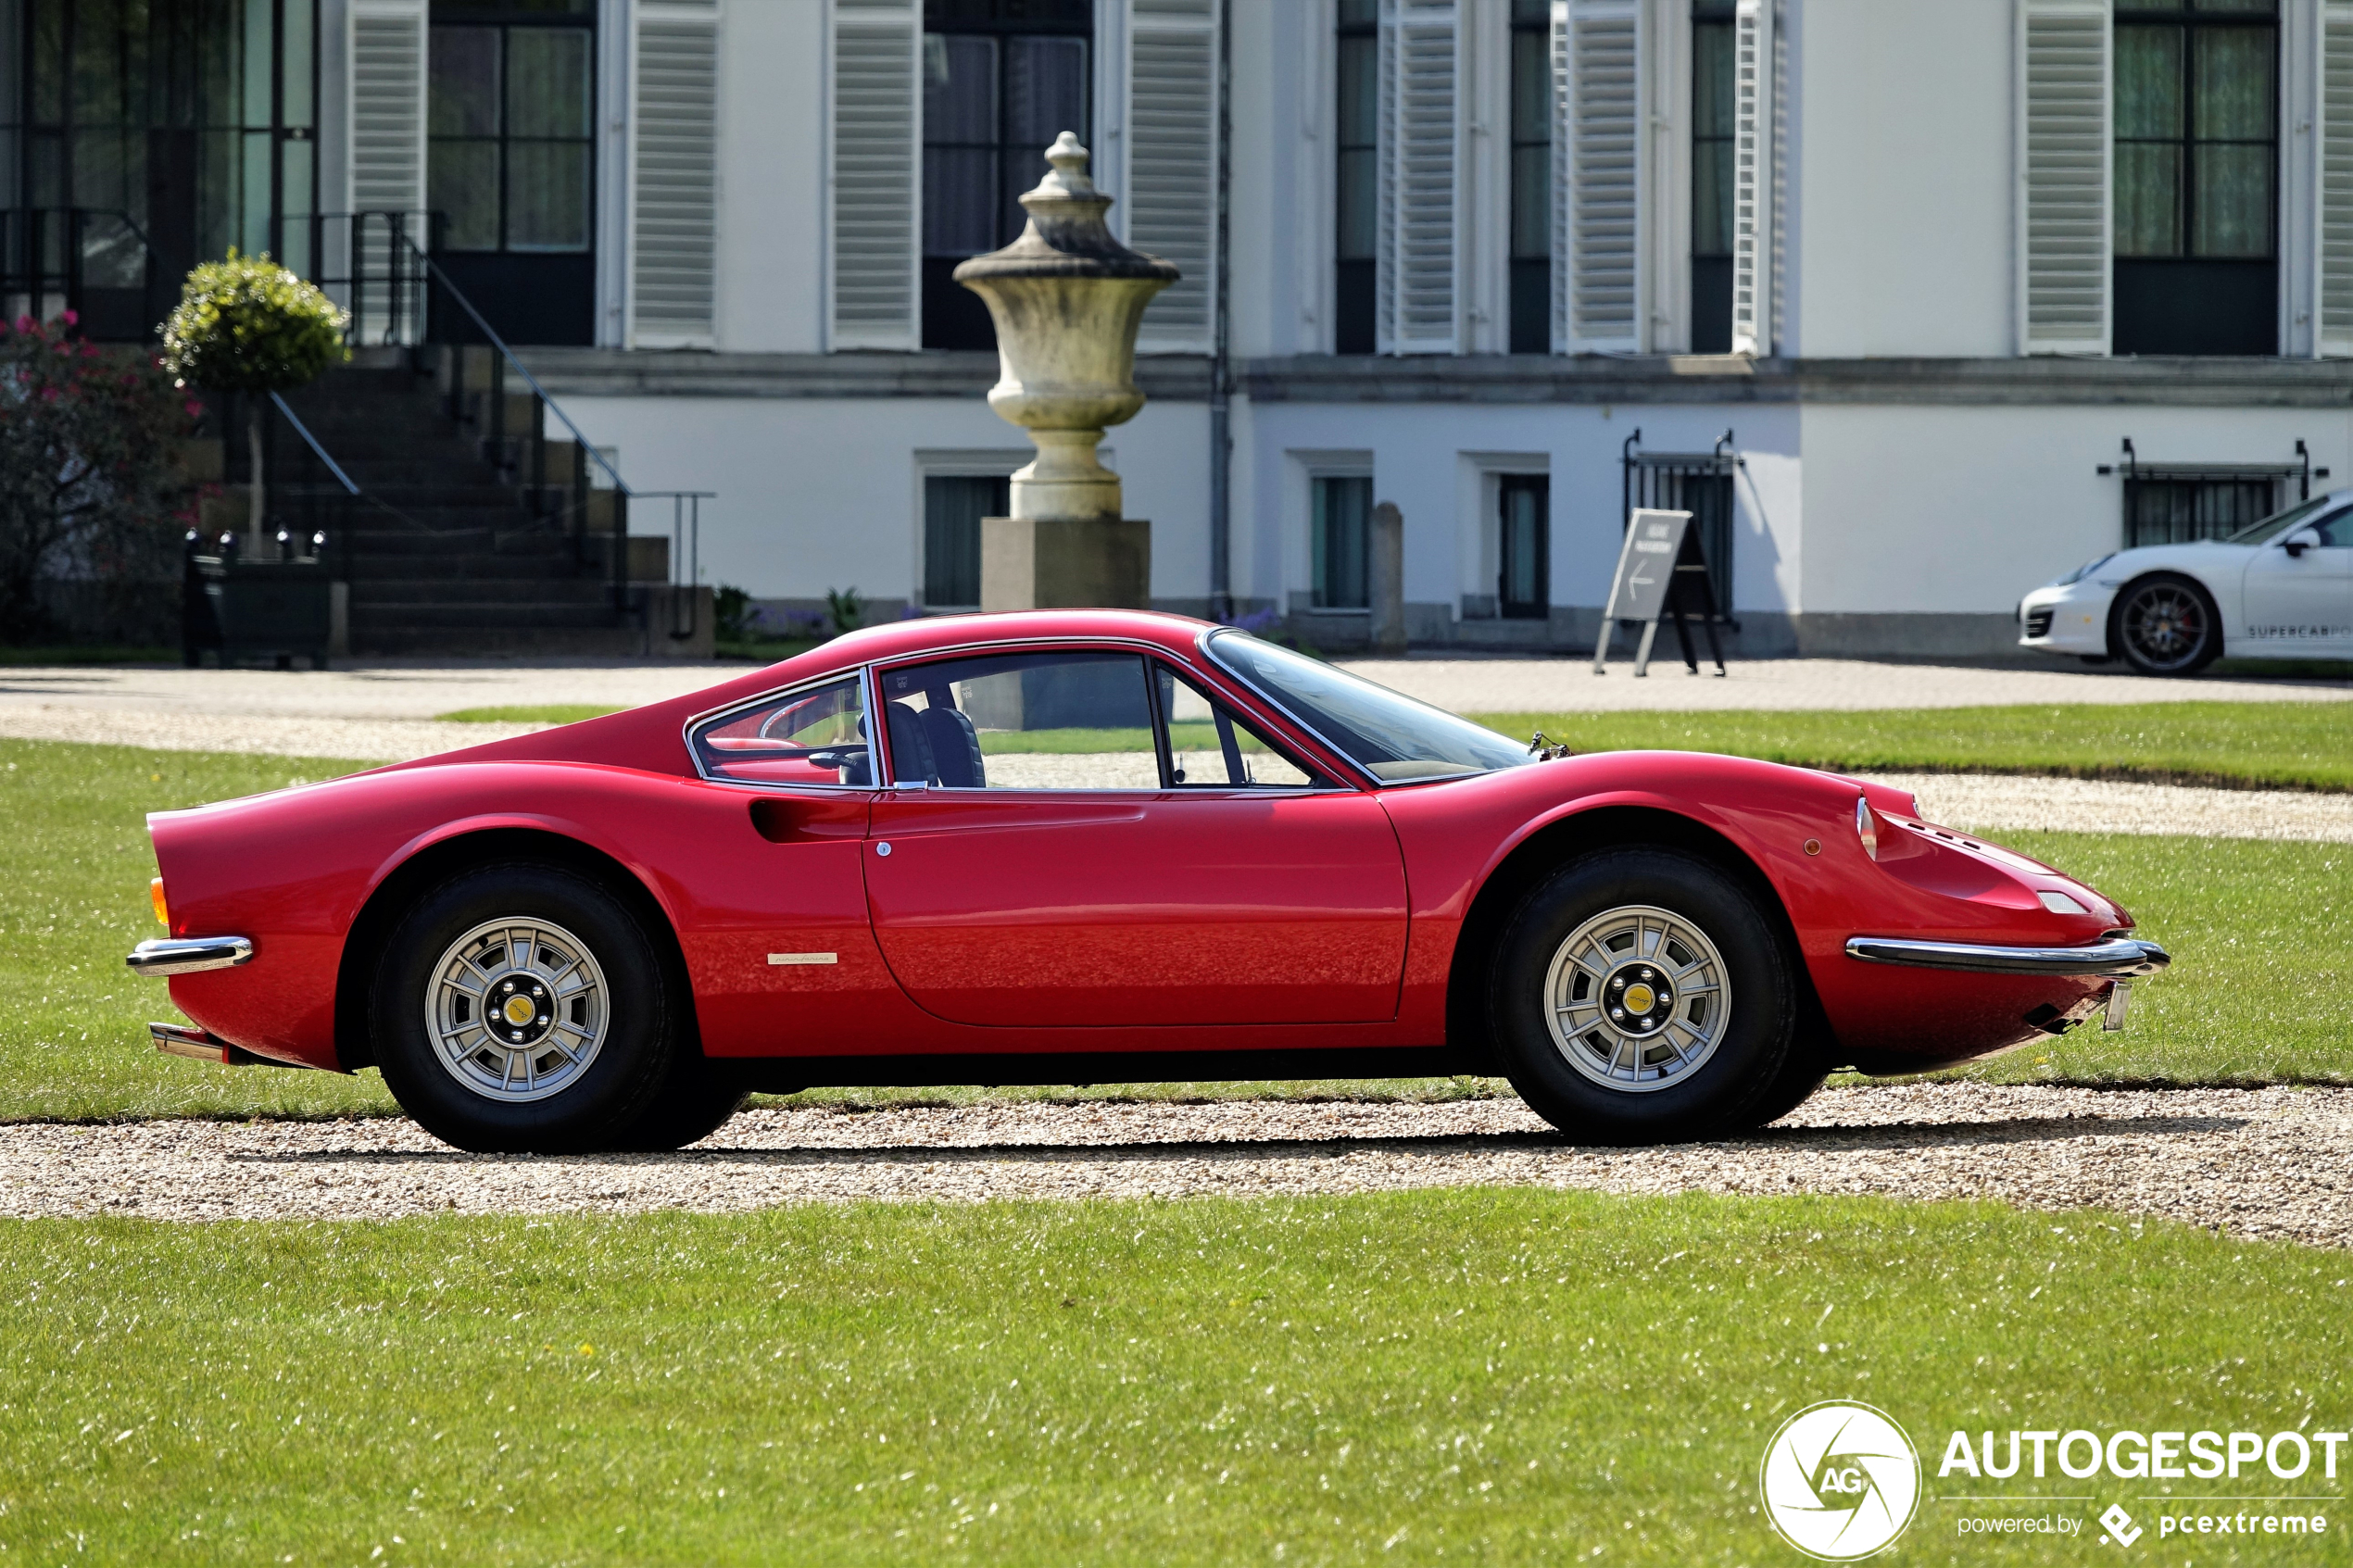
[{"x": 155, "y": 897}]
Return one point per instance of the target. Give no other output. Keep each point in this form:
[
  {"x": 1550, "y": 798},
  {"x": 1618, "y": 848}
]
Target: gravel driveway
[{"x": 2261, "y": 1162}]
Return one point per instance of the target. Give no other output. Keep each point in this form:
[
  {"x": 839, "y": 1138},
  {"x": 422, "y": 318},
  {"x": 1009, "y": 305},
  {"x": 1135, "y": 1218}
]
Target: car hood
[{"x": 2204, "y": 555}]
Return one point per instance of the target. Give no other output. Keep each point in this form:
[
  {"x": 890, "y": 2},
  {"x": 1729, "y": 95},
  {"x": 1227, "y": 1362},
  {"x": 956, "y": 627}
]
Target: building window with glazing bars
[
  {"x": 1531, "y": 321},
  {"x": 1356, "y": 188},
  {"x": 1340, "y": 540},
  {"x": 1713, "y": 89},
  {"x": 2196, "y": 177},
  {"x": 1001, "y": 80}
]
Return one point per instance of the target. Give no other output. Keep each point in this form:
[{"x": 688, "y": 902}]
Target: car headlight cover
[{"x": 2082, "y": 571}]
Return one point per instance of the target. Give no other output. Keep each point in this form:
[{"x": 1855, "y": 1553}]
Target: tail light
[{"x": 1867, "y": 827}]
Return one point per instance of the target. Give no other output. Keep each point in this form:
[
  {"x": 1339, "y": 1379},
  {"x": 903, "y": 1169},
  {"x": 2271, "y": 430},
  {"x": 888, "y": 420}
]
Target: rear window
[{"x": 816, "y": 736}]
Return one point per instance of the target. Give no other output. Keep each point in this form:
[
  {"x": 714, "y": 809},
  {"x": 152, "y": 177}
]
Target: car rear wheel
[
  {"x": 1640, "y": 996},
  {"x": 2165, "y": 624},
  {"x": 521, "y": 1008}
]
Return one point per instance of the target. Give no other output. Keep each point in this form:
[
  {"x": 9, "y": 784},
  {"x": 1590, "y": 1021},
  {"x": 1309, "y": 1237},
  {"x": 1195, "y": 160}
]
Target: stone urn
[{"x": 1066, "y": 298}]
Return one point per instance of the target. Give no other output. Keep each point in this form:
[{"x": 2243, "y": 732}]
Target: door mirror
[{"x": 2300, "y": 541}]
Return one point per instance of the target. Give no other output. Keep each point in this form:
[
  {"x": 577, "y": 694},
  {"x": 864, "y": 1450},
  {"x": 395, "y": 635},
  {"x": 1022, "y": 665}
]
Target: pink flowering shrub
[{"x": 88, "y": 489}]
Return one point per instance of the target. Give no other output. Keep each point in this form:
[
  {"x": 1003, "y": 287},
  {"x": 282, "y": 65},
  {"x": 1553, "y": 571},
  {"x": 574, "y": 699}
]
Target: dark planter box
[{"x": 242, "y": 609}]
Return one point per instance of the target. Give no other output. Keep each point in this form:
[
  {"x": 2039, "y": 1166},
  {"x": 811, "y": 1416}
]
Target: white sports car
[{"x": 2282, "y": 588}]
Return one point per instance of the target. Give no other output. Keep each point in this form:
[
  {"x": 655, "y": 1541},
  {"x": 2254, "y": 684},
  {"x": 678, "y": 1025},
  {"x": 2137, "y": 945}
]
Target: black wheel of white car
[
  {"x": 522, "y": 1008},
  {"x": 1641, "y": 996},
  {"x": 2165, "y": 624}
]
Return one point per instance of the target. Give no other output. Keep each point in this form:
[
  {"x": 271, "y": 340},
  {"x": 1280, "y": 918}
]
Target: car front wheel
[
  {"x": 2165, "y": 624},
  {"x": 522, "y": 1009},
  {"x": 1640, "y": 996}
]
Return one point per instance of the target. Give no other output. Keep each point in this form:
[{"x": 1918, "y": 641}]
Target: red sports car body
[{"x": 1096, "y": 846}]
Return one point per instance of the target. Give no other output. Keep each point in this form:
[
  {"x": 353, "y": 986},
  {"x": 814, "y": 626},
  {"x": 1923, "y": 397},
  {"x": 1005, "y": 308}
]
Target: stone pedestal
[
  {"x": 1385, "y": 574},
  {"x": 1066, "y": 563}
]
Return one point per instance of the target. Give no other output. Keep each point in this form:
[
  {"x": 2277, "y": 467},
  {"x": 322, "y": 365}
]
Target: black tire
[
  {"x": 2165, "y": 624},
  {"x": 638, "y": 1049},
  {"x": 1731, "y": 1076},
  {"x": 699, "y": 1100}
]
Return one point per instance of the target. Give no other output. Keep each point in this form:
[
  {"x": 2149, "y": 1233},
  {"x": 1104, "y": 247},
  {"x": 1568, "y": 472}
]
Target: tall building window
[
  {"x": 1531, "y": 177},
  {"x": 2196, "y": 177},
  {"x": 1712, "y": 88},
  {"x": 1523, "y": 587},
  {"x": 953, "y": 506},
  {"x": 1001, "y": 80},
  {"x": 1356, "y": 203},
  {"x": 1342, "y": 539},
  {"x": 511, "y": 162}
]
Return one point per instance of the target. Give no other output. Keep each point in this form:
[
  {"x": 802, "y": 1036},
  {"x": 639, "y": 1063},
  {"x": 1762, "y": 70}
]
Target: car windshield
[
  {"x": 2279, "y": 523},
  {"x": 1390, "y": 736}
]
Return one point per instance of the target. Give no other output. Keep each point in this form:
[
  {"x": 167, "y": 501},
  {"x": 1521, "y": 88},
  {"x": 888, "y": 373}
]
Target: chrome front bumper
[
  {"x": 2119, "y": 958},
  {"x": 187, "y": 954}
]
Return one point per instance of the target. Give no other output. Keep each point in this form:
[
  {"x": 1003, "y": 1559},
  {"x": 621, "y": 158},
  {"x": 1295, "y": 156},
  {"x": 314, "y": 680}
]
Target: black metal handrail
[{"x": 685, "y": 553}]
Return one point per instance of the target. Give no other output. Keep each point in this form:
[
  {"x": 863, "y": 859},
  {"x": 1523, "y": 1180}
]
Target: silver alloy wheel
[
  {"x": 2166, "y": 624},
  {"x": 1637, "y": 999},
  {"x": 517, "y": 1010}
]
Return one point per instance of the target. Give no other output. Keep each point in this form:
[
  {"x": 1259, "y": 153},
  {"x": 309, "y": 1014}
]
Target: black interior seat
[
  {"x": 911, "y": 758},
  {"x": 955, "y": 749}
]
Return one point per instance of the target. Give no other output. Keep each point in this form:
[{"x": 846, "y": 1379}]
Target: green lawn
[
  {"x": 2303, "y": 745},
  {"x": 1491, "y": 1376}
]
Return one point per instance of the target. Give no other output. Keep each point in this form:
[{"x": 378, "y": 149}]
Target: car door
[
  {"x": 2300, "y": 600},
  {"x": 1035, "y": 864}
]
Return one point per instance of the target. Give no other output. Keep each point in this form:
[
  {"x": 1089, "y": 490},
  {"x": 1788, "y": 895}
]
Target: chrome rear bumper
[
  {"x": 2119, "y": 958},
  {"x": 187, "y": 954}
]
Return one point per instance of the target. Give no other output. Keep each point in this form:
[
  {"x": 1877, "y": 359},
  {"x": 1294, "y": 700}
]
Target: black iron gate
[{"x": 1698, "y": 482}]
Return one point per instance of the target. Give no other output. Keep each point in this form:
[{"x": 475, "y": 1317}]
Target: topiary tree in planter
[{"x": 247, "y": 324}]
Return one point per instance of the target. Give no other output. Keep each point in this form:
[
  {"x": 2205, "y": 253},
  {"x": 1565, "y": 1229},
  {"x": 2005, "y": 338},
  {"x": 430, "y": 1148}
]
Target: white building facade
[{"x": 1917, "y": 305}]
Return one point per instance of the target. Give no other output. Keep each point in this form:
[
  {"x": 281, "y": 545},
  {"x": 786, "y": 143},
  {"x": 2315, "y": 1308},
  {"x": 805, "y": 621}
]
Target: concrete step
[
  {"x": 383, "y": 567},
  {"x": 582, "y": 643},
  {"x": 420, "y": 617},
  {"x": 390, "y": 593}
]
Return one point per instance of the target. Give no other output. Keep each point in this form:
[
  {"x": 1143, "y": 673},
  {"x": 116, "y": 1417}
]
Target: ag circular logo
[{"x": 1840, "y": 1480}]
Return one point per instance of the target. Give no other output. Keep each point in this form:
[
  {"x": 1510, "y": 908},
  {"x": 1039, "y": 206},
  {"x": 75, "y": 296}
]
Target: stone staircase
[{"x": 446, "y": 554}]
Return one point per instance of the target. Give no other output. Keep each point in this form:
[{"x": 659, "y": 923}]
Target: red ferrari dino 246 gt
[{"x": 1097, "y": 846}]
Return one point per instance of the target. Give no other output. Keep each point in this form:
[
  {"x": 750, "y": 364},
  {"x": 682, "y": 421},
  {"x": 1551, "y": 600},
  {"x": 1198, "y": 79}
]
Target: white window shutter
[
  {"x": 875, "y": 198},
  {"x": 673, "y": 187},
  {"x": 1419, "y": 61},
  {"x": 2335, "y": 143},
  {"x": 1172, "y": 164},
  {"x": 2064, "y": 202},
  {"x": 1598, "y": 258},
  {"x": 1753, "y": 177},
  {"x": 387, "y": 136}
]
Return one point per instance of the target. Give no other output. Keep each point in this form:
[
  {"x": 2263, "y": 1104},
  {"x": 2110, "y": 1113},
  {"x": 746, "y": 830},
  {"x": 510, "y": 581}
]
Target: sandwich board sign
[{"x": 1658, "y": 568}]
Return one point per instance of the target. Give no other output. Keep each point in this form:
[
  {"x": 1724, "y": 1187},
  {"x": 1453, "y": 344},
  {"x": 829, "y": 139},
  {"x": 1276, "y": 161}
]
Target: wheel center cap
[
  {"x": 1640, "y": 1000},
  {"x": 519, "y": 1011}
]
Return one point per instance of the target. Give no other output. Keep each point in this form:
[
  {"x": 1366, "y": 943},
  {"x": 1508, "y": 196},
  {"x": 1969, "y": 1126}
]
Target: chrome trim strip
[
  {"x": 188, "y": 955},
  {"x": 2119, "y": 956}
]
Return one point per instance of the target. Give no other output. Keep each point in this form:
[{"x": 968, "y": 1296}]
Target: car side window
[
  {"x": 816, "y": 736},
  {"x": 1211, "y": 747},
  {"x": 1022, "y": 720},
  {"x": 2335, "y": 529}
]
